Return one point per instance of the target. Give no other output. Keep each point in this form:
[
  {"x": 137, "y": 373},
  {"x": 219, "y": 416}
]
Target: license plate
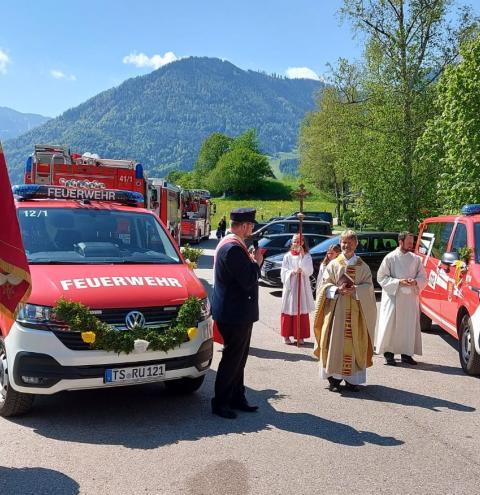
[{"x": 135, "y": 374}]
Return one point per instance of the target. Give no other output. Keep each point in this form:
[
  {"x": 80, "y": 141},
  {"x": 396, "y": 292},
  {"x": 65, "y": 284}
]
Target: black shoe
[
  {"x": 408, "y": 360},
  {"x": 351, "y": 387},
  {"x": 334, "y": 384},
  {"x": 243, "y": 406},
  {"x": 390, "y": 359},
  {"x": 223, "y": 411}
]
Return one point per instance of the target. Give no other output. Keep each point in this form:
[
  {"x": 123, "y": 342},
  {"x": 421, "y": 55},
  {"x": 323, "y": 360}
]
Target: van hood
[{"x": 114, "y": 286}]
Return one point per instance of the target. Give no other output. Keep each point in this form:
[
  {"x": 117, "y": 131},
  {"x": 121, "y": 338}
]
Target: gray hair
[{"x": 349, "y": 234}]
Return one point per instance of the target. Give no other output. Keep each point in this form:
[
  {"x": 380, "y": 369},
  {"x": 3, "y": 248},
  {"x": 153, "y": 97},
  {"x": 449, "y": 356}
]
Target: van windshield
[{"x": 93, "y": 236}]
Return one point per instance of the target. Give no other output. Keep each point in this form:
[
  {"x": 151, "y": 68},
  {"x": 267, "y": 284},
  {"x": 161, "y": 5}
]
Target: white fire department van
[{"x": 96, "y": 246}]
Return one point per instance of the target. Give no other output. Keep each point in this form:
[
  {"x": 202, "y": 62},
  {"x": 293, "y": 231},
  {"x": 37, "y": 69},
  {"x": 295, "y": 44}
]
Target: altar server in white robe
[
  {"x": 402, "y": 277},
  {"x": 297, "y": 267}
]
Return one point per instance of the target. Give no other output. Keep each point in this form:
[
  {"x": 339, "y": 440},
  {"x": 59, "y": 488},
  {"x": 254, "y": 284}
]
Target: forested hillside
[
  {"x": 13, "y": 123},
  {"x": 161, "y": 119}
]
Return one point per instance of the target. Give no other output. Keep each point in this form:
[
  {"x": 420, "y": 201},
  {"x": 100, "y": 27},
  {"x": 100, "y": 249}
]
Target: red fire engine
[
  {"x": 164, "y": 199},
  {"x": 56, "y": 165},
  {"x": 196, "y": 213}
]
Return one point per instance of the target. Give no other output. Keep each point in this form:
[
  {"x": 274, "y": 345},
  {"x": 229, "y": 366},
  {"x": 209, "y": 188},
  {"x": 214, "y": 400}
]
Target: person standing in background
[{"x": 297, "y": 267}]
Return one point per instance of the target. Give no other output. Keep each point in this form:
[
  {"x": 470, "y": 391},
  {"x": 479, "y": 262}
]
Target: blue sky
[{"x": 55, "y": 54}]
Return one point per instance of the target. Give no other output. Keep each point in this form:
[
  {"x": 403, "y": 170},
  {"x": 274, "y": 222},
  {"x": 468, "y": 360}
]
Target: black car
[
  {"x": 270, "y": 245},
  {"x": 326, "y": 216},
  {"x": 372, "y": 247},
  {"x": 291, "y": 227}
]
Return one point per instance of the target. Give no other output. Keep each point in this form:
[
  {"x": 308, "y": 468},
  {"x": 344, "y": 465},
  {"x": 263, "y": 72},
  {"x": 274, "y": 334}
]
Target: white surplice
[
  {"x": 398, "y": 328},
  {"x": 290, "y": 284}
]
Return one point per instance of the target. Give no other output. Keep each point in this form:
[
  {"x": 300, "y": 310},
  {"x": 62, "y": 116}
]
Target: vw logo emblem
[{"x": 135, "y": 319}]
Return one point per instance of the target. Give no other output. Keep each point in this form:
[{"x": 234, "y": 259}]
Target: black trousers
[{"x": 229, "y": 386}]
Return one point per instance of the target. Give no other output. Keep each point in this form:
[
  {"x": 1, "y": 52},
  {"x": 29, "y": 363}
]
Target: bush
[
  {"x": 348, "y": 219},
  {"x": 190, "y": 253}
]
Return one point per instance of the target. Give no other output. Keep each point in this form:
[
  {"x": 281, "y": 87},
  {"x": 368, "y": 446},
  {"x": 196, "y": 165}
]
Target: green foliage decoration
[
  {"x": 464, "y": 254},
  {"x": 79, "y": 319},
  {"x": 190, "y": 253}
]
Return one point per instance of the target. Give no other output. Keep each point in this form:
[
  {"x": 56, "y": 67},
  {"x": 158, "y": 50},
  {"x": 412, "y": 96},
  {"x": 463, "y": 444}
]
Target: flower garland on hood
[{"x": 102, "y": 336}]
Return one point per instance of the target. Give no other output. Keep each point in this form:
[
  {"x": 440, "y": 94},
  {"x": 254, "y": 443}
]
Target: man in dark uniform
[{"x": 235, "y": 309}]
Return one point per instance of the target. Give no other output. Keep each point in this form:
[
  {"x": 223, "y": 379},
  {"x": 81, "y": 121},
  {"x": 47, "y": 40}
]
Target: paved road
[{"x": 411, "y": 430}]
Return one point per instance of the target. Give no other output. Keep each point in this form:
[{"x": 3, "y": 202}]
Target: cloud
[
  {"x": 155, "y": 61},
  {"x": 4, "y": 61},
  {"x": 58, "y": 74},
  {"x": 302, "y": 73}
]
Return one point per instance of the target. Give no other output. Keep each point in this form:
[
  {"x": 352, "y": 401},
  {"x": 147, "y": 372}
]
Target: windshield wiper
[{"x": 49, "y": 262}]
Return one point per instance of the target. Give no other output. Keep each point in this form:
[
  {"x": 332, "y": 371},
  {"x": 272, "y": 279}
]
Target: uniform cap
[{"x": 243, "y": 215}]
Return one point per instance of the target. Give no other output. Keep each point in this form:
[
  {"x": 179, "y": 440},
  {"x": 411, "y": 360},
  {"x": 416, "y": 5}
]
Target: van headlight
[
  {"x": 205, "y": 310},
  {"x": 32, "y": 315}
]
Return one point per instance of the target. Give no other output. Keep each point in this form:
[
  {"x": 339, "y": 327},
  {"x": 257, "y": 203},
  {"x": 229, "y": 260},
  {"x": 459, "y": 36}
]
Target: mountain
[
  {"x": 161, "y": 119},
  {"x": 13, "y": 123}
]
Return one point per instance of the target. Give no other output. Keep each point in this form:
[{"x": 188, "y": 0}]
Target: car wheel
[
  {"x": 425, "y": 322},
  {"x": 469, "y": 359},
  {"x": 184, "y": 385},
  {"x": 12, "y": 403}
]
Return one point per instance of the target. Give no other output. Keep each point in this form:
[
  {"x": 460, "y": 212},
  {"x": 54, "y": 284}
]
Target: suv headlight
[
  {"x": 32, "y": 315},
  {"x": 205, "y": 309}
]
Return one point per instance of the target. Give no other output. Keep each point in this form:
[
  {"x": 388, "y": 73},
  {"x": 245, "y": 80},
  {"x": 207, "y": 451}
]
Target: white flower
[{"x": 140, "y": 345}]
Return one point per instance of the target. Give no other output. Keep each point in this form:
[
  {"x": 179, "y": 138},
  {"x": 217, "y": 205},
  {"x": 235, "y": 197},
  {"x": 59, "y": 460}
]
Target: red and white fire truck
[
  {"x": 100, "y": 247},
  {"x": 55, "y": 165},
  {"x": 164, "y": 199},
  {"x": 196, "y": 213}
]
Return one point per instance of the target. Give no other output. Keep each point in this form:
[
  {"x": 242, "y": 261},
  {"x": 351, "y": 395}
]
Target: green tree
[
  {"x": 409, "y": 42},
  {"x": 451, "y": 142},
  {"x": 248, "y": 140},
  {"x": 240, "y": 171},
  {"x": 322, "y": 142},
  {"x": 210, "y": 152}
]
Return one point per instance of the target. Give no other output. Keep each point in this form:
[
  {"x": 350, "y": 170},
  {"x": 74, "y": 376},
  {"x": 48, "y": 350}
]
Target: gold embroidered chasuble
[{"x": 344, "y": 327}]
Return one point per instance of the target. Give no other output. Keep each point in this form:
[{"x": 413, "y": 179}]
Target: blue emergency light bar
[
  {"x": 473, "y": 209},
  {"x": 138, "y": 171},
  {"x": 36, "y": 191}
]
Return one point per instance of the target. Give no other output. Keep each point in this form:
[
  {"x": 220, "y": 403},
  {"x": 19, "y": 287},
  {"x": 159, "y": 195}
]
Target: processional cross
[{"x": 301, "y": 193}]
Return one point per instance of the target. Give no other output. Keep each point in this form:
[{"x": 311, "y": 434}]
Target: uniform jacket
[{"x": 235, "y": 290}]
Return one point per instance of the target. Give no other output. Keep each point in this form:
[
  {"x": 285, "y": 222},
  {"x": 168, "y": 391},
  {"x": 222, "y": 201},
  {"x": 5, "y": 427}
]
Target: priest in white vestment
[
  {"x": 345, "y": 317},
  {"x": 402, "y": 277}
]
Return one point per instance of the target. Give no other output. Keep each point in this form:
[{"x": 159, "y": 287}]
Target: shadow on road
[
  {"x": 380, "y": 393},
  {"x": 435, "y": 368},
  {"x": 283, "y": 356},
  {"x": 34, "y": 481},
  {"x": 147, "y": 417}
]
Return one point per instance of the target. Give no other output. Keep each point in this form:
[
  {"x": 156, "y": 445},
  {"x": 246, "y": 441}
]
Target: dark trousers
[{"x": 229, "y": 386}]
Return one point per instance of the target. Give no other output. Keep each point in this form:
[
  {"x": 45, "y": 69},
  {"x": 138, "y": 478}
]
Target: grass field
[
  {"x": 274, "y": 161},
  {"x": 268, "y": 209}
]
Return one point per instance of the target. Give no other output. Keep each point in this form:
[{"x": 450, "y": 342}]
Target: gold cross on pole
[{"x": 301, "y": 193}]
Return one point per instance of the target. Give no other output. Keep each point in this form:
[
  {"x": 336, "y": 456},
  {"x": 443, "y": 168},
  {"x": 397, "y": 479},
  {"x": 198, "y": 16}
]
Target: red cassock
[
  {"x": 289, "y": 326},
  {"x": 15, "y": 281}
]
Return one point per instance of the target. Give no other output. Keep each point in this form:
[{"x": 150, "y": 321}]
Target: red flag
[{"x": 15, "y": 281}]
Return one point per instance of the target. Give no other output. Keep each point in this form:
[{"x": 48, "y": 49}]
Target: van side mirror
[{"x": 449, "y": 258}]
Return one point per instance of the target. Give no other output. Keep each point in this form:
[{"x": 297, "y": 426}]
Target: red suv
[{"x": 450, "y": 249}]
